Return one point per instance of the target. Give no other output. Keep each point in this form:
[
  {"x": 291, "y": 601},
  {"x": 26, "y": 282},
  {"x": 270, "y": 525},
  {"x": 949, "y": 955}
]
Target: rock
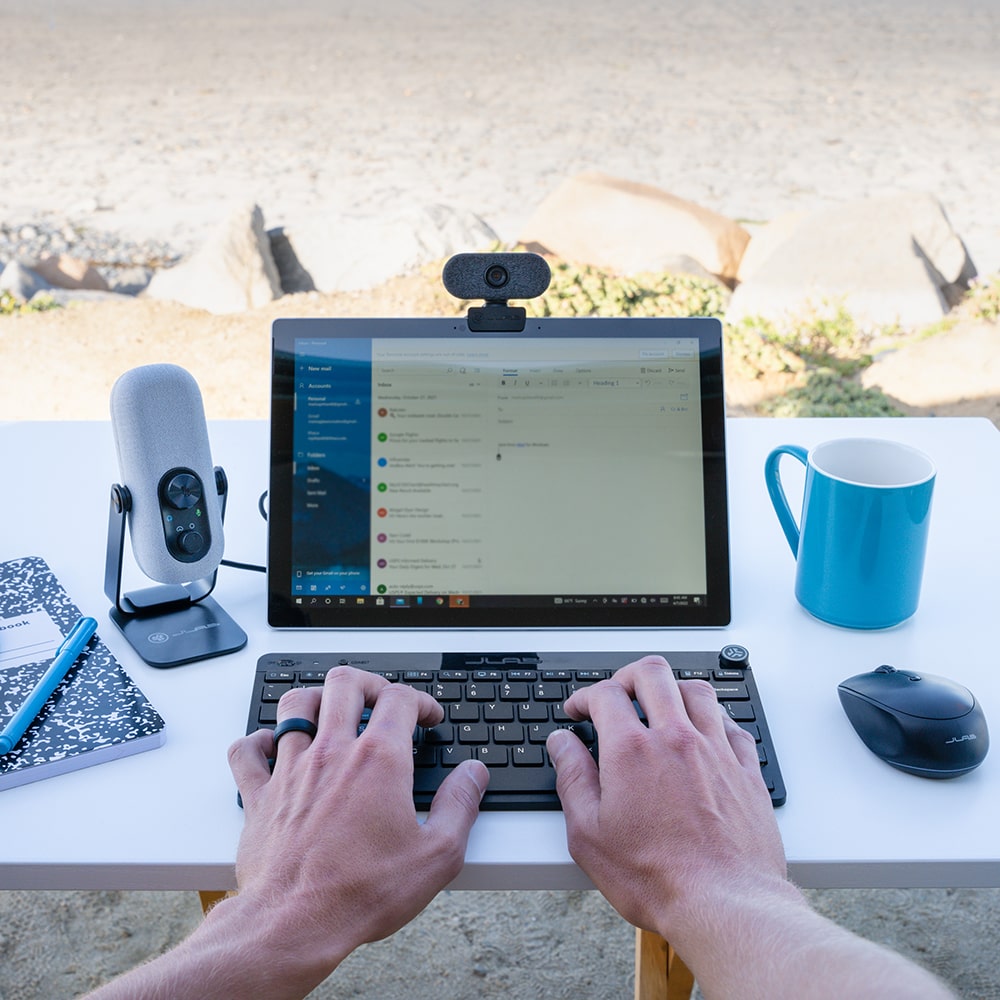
[
  {"x": 64, "y": 271},
  {"x": 22, "y": 281},
  {"x": 892, "y": 260},
  {"x": 130, "y": 280},
  {"x": 232, "y": 271},
  {"x": 356, "y": 252},
  {"x": 959, "y": 364},
  {"x": 626, "y": 227},
  {"x": 292, "y": 275}
]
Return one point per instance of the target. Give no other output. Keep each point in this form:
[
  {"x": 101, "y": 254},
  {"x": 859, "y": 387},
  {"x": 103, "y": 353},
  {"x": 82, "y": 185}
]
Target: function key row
[{"x": 288, "y": 675}]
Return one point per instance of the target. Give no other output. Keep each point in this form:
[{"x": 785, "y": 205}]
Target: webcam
[{"x": 496, "y": 278}]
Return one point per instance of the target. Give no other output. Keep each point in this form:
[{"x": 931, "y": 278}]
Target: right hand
[{"x": 676, "y": 811}]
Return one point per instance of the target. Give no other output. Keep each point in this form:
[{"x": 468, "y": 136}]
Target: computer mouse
[{"x": 920, "y": 723}]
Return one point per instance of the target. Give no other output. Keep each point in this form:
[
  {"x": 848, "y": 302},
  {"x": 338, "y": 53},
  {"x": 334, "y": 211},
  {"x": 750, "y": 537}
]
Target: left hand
[{"x": 332, "y": 835}]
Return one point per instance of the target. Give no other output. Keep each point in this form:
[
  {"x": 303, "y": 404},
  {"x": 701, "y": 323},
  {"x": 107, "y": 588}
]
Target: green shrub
[
  {"x": 581, "y": 290},
  {"x": 9, "y": 305},
  {"x": 826, "y": 393},
  {"x": 982, "y": 301}
]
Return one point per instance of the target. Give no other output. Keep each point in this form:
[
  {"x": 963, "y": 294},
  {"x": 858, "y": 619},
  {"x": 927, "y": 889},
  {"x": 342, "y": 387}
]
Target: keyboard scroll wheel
[{"x": 734, "y": 657}]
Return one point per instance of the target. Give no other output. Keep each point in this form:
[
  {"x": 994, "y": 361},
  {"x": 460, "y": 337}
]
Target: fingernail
[
  {"x": 480, "y": 776},
  {"x": 555, "y": 745}
]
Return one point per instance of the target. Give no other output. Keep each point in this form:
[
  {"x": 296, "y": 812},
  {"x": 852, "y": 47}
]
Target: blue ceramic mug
[{"x": 860, "y": 542}]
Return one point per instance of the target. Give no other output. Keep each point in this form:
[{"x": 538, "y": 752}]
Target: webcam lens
[{"x": 497, "y": 276}]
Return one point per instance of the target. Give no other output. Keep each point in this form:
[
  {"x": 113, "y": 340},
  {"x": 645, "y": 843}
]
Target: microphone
[{"x": 175, "y": 519}]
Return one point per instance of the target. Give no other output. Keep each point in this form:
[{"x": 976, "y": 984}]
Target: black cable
[
  {"x": 250, "y": 566},
  {"x": 239, "y": 565}
]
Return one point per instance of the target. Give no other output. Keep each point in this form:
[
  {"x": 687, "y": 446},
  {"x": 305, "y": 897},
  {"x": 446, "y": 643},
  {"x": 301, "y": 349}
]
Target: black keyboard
[{"x": 500, "y": 707}]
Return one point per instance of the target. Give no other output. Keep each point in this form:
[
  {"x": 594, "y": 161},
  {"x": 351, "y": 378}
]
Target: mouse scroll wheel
[{"x": 885, "y": 669}]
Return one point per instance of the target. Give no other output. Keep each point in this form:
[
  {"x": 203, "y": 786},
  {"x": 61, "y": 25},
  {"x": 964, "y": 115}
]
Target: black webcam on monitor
[{"x": 497, "y": 278}]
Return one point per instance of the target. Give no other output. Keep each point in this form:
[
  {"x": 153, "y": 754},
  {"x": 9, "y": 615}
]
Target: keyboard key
[
  {"x": 731, "y": 692},
  {"x": 492, "y": 756},
  {"x": 498, "y": 712},
  {"x": 463, "y": 712},
  {"x": 476, "y": 691},
  {"x": 739, "y": 711},
  {"x": 539, "y": 732},
  {"x": 549, "y": 691},
  {"x": 533, "y": 712},
  {"x": 454, "y": 755},
  {"x": 508, "y": 734},
  {"x": 440, "y": 734},
  {"x": 692, "y": 675},
  {"x": 527, "y": 756},
  {"x": 515, "y": 692},
  {"x": 727, "y": 675}
]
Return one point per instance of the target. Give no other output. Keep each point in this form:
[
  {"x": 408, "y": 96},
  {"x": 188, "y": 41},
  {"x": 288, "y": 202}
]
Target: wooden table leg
[
  {"x": 209, "y": 899},
  {"x": 659, "y": 972}
]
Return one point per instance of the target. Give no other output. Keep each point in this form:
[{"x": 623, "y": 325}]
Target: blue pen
[{"x": 69, "y": 649}]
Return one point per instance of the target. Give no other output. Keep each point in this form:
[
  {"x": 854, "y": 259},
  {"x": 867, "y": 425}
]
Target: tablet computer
[{"x": 572, "y": 475}]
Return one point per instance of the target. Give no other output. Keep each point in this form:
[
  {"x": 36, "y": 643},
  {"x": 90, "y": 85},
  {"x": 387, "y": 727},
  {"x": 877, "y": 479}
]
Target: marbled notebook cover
[{"x": 96, "y": 714}]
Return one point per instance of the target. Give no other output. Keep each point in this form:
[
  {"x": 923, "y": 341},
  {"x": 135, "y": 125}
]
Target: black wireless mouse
[{"x": 920, "y": 723}]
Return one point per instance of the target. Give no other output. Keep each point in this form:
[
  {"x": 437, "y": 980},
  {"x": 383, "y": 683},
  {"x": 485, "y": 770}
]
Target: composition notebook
[
  {"x": 572, "y": 475},
  {"x": 96, "y": 714}
]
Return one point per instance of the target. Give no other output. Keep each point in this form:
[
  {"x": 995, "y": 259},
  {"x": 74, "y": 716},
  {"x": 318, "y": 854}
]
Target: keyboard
[{"x": 500, "y": 707}]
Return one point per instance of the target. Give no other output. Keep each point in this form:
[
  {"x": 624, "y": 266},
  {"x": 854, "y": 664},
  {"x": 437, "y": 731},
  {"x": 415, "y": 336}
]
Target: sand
[{"x": 151, "y": 118}]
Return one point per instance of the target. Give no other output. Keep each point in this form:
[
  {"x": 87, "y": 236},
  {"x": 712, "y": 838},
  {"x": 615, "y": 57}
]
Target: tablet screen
[{"x": 570, "y": 475}]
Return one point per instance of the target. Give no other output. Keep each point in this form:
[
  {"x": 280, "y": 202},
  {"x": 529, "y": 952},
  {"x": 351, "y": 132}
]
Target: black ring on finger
[{"x": 295, "y": 725}]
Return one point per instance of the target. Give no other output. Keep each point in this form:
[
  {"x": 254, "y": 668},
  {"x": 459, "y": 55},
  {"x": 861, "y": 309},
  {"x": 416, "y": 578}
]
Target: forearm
[
  {"x": 777, "y": 947},
  {"x": 239, "y": 950}
]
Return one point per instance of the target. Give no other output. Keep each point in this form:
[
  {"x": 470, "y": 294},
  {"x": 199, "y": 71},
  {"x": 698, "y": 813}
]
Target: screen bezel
[{"x": 283, "y": 611}]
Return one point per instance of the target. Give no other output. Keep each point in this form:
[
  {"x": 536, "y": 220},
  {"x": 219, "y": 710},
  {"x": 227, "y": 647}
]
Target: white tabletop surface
[{"x": 168, "y": 819}]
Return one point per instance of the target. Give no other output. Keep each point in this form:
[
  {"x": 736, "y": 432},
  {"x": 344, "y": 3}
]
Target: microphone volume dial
[{"x": 186, "y": 530}]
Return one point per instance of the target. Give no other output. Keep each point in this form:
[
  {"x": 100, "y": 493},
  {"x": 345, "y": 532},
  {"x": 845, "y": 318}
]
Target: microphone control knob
[{"x": 191, "y": 542}]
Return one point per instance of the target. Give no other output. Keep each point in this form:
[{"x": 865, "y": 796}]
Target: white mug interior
[{"x": 872, "y": 462}]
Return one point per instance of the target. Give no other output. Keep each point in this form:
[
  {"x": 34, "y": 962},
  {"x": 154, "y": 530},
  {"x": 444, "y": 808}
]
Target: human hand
[
  {"x": 677, "y": 811},
  {"x": 331, "y": 838}
]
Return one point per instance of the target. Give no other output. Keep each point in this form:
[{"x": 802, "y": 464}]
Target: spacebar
[{"x": 503, "y": 780}]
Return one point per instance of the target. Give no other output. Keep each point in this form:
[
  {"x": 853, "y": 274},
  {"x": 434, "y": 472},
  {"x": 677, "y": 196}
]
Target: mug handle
[{"x": 772, "y": 476}]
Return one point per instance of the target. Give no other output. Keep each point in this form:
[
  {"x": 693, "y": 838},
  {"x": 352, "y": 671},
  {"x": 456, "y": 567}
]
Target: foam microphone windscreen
[{"x": 161, "y": 437}]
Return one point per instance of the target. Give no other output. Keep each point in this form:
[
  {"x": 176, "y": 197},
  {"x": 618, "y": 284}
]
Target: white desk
[{"x": 168, "y": 819}]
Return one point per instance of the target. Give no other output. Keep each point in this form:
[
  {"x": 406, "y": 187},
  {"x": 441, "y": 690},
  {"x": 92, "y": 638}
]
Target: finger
[
  {"x": 652, "y": 684},
  {"x": 578, "y": 782},
  {"x": 345, "y": 693},
  {"x": 649, "y": 681},
  {"x": 299, "y": 703},
  {"x": 248, "y": 761},
  {"x": 395, "y": 714},
  {"x": 455, "y": 805},
  {"x": 743, "y": 744},
  {"x": 702, "y": 706},
  {"x": 608, "y": 704},
  {"x": 428, "y": 711}
]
